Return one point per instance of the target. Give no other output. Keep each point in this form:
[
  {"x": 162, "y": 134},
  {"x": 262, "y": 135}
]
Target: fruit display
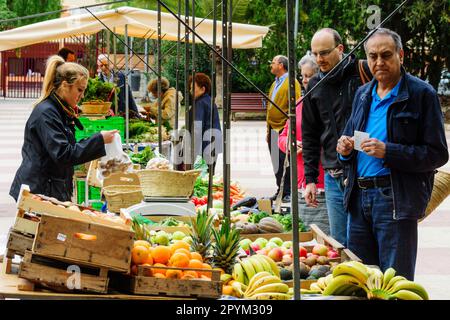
[
  {"x": 263, "y": 286},
  {"x": 354, "y": 278},
  {"x": 225, "y": 247},
  {"x": 252, "y": 221},
  {"x": 245, "y": 269}
]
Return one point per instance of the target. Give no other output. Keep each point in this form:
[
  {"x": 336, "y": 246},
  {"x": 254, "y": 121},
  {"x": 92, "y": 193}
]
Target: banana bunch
[
  {"x": 246, "y": 269},
  {"x": 354, "y": 278},
  {"x": 266, "y": 286}
]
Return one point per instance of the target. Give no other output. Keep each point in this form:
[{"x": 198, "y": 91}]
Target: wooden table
[{"x": 9, "y": 283}]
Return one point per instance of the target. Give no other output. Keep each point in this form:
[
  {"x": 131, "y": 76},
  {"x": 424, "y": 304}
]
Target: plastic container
[
  {"x": 94, "y": 192},
  {"x": 93, "y": 126}
]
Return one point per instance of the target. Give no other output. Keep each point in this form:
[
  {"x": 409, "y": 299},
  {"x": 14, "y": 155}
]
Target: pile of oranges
[{"x": 176, "y": 255}]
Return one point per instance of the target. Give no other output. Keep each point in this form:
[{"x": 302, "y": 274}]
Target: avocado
[
  {"x": 324, "y": 269},
  {"x": 310, "y": 261},
  {"x": 304, "y": 271},
  {"x": 322, "y": 260},
  {"x": 311, "y": 278},
  {"x": 286, "y": 274},
  {"x": 317, "y": 273}
]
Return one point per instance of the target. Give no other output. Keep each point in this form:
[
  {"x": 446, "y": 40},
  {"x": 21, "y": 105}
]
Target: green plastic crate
[
  {"x": 94, "y": 192},
  {"x": 97, "y": 205},
  {"x": 93, "y": 126}
]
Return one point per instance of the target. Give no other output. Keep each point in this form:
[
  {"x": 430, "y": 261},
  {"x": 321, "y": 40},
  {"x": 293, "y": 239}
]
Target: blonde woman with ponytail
[{"x": 50, "y": 150}]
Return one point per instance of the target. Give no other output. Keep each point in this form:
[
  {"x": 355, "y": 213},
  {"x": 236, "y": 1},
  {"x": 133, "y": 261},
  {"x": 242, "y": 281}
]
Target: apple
[
  {"x": 262, "y": 252},
  {"x": 309, "y": 254},
  {"x": 188, "y": 239},
  {"x": 247, "y": 252},
  {"x": 255, "y": 247},
  {"x": 287, "y": 244},
  {"x": 276, "y": 254},
  {"x": 287, "y": 260},
  {"x": 320, "y": 250},
  {"x": 303, "y": 251},
  {"x": 332, "y": 254},
  {"x": 271, "y": 245},
  {"x": 262, "y": 242},
  {"x": 277, "y": 240},
  {"x": 245, "y": 244},
  {"x": 178, "y": 235},
  {"x": 161, "y": 238}
]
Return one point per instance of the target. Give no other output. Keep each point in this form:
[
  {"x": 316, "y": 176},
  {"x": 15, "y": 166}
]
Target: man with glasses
[
  {"x": 390, "y": 177},
  {"x": 106, "y": 75},
  {"x": 276, "y": 120},
  {"x": 324, "y": 115}
]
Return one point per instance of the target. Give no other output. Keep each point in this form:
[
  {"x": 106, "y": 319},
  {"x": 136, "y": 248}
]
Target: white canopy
[{"x": 141, "y": 23}]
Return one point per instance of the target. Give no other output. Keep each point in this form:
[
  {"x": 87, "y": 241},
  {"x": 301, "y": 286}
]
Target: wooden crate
[
  {"x": 84, "y": 243},
  {"x": 58, "y": 275},
  {"x": 147, "y": 285}
]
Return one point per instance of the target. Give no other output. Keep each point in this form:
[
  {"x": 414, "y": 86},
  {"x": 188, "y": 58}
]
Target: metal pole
[
  {"x": 159, "y": 80},
  {"x": 187, "y": 156},
  {"x": 293, "y": 145},
  {"x": 225, "y": 105},
  {"x": 177, "y": 75},
  {"x": 127, "y": 118},
  {"x": 193, "y": 142},
  {"x": 116, "y": 103},
  {"x": 213, "y": 101},
  {"x": 296, "y": 20}
]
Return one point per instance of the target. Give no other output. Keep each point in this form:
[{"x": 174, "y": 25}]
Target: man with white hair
[{"x": 107, "y": 75}]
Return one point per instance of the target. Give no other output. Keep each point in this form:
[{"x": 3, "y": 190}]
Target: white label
[
  {"x": 61, "y": 237},
  {"x": 359, "y": 137}
]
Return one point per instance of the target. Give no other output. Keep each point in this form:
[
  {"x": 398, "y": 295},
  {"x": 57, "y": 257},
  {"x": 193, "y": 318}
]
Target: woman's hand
[{"x": 108, "y": 136}]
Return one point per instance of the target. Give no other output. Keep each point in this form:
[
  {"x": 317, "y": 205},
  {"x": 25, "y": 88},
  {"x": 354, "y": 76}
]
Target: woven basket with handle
[
  {"x": 96, "y": 107},
  {"x": 441, "y": 190},
  {"x": 119, "y": 197},
  {"x": 167, "y": 183}
]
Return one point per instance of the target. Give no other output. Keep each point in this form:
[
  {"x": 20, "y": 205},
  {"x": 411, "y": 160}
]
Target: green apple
[
  {"x": 162, "y": 238},
  {"x": 262, "y": 242},
  {"x": 245, "y": 244},
  {"x": 188, "y": 239},
  {"x": 178, "y": 235},
  {"x": 287, "y": 244},
  {"x": 271, "y": 245},
  {"x": 277, "y": 240}
]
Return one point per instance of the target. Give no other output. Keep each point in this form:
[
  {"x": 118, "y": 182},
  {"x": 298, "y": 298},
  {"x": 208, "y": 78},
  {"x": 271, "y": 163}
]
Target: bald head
[{"x": 327, "y": 48}]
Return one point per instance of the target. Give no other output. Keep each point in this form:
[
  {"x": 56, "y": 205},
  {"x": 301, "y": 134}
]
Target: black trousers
[{"x": 278, "y": 162}]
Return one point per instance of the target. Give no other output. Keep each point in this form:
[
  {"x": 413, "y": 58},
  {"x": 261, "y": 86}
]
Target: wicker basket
[
  {"x": 119, "y": 197},
  {"x": 441, "y": 190},
  {"x": 96, "y": 107},
  {"x": 167, "y": 183}
]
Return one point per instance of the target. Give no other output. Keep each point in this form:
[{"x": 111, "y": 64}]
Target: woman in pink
[{"x": 309, "y": 215}]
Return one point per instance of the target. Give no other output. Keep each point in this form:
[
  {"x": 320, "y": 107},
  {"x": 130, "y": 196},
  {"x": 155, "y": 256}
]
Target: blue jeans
[
  {"x": 378, "y": 239},
  {"x": 334, "y": 195}
]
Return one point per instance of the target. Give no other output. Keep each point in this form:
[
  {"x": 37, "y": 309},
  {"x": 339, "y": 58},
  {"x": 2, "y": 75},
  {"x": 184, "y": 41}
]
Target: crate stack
[{"x": 68, "y": 250}]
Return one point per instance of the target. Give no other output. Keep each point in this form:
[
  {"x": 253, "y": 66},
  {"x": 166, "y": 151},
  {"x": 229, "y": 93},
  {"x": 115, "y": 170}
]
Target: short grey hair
[
  {"x": 387, "y": 32},
  {"x": 308, "y": 59},
  {"x": 284, "y": 60},
  {"x": 102, "y": 56}
]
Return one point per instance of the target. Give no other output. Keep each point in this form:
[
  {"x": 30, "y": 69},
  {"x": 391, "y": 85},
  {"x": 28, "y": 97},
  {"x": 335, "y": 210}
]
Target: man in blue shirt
[{"x": 389, "y": 182}]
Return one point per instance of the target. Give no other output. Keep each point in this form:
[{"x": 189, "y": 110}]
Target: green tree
[
  {"x": 5, "y": 13},
  {"x": 24, "y": 8}
]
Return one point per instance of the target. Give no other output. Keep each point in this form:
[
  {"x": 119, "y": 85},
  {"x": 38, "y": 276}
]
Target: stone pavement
[{"x": 251, "y": 166}]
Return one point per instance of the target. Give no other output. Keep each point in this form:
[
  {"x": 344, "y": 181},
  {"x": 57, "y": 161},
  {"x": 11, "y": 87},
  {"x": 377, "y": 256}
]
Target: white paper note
[{"x": 359, "y": 137}]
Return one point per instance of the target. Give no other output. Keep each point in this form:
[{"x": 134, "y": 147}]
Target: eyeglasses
[{"x": 323, "y": 53}]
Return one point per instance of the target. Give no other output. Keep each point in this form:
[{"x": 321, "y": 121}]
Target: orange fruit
[
  {"x": 203, "y": 277},
  {"x": 161, "y": 254},
  {"x": 195, "y": 264},
  {"x": 180, "y": 244},
  {"x": 204, "y": 273},
  {"x": 148, "y": 260},
  {"x": 179, "y": 260},
  {"x": 187, "y": 276},
  {"x": 147, "y": 272},
  {"x": 134, "y": 270},
  {"x": 174, "y": 274},
  {"x": 191, "y": 273},
  {"x": 161, "y": 271},
  {"x": 197, "y": 256},
  {"x": 182, "y": 250},
  {"x": 142, "y": 243},
  {"x": 159, "y": 275},
  {"x": 227, "y": 290},
  {"x": 139, "y": 254}
]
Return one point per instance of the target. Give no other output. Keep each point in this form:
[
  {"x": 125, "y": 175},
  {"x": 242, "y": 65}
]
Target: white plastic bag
[
  {"x": 159, "y": 163},
  {"x": 115, "y": 159}
]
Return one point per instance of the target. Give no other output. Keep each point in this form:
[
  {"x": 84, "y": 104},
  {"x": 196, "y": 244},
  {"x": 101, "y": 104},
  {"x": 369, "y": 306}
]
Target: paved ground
[{"x": 250, "y": 165}]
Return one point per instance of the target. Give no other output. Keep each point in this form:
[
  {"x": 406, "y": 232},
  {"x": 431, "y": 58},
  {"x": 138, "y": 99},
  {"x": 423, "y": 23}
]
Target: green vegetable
[
  {"x": 286, "y": 221},
  {"x": 200, "y": 188},
  {"x": 143, "y": 156},
  {"x": 98, "y": 90},
  {"x": 169, "y": 222},
  {"x": 256, "y": 217}
]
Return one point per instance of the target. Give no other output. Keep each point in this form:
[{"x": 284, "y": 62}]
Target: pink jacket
[{"x": 300, "y": 166}]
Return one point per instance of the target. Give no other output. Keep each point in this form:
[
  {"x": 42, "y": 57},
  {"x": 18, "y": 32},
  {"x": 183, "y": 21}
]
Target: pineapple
[
  {"x": 139, "y": 226},
  {"x": 201, "y": 234},
  {"x": 226, "y": 246}
]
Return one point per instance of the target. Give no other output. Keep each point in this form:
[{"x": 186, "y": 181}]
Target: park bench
[{"x": 247, "y": 102}]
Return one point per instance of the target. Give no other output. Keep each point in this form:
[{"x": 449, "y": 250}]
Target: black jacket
[
  {"x": 318, "y": 134},
  {"x": 50, "y": 151},
  {"x": 416, "y": 144}
]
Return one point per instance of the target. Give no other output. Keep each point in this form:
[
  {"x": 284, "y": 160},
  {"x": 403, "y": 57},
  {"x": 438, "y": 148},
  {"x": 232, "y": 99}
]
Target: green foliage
[
  {"x": 25, "y": 7},
  {"x": 98, "y": 90},
  {"x": 5, "y": 13}
]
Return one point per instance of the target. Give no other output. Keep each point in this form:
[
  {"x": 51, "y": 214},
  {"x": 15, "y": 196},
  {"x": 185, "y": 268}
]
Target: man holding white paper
[{"x": 397, "y": 126}]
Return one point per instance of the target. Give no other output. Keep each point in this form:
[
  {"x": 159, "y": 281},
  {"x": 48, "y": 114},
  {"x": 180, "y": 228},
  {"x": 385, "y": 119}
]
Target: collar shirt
[{"x": 278, "y": 82}]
